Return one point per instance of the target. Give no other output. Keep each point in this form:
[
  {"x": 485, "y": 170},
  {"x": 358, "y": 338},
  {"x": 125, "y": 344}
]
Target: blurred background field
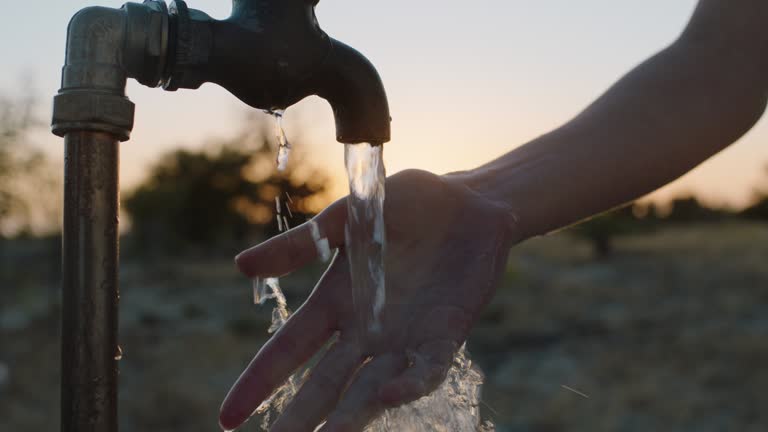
[
  {"x": 669, "y": 334},
  {"x": 653, "y": 317}
]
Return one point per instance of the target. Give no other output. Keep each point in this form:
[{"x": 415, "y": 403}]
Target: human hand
[{"x": 446, "y": 249}]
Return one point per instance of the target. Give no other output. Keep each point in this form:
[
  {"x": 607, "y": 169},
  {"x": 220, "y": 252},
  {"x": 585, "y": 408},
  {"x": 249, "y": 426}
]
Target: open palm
[{"x": 446, "y": 248}]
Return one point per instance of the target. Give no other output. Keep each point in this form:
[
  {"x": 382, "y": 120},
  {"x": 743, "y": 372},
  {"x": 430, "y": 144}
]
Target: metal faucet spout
[
  {"x": 272, "y": 54},
  {"x": 351, "y": 84}
]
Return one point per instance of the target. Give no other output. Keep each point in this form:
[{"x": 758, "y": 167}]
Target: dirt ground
[{"x": 670, "y": 334}]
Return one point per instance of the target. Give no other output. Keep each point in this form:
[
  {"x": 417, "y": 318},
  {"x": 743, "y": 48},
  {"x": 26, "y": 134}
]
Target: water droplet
[
  {"x": 283, "y": 153},
  {"x": 283, "y": 146},
  {"x": 323, "y": 248},
  {"x": 260, "y": 294}
]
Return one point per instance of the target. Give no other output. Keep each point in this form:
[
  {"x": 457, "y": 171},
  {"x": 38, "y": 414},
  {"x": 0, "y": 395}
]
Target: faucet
[{"x": 270, "y": 54}]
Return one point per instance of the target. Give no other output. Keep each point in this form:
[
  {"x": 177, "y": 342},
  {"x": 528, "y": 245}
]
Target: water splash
[
  {"x": 269, "y": 288},
  {"x": 270, "y": 409},
  {"x": 365, "y": 233},
  {"x": 573, "y": 390},
  {"x": 283, "y": 146},
  {"x": 453, "y": 407},
  {"x": 323, "y": 247}
]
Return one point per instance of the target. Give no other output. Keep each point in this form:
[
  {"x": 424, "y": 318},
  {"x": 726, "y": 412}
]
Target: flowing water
[
  {"x": 454, "y": 406},
  {"x": 365, "y": 234}
]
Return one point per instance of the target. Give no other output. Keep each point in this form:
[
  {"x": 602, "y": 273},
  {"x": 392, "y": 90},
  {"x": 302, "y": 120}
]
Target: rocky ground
[{"x": 671, "y": 334}]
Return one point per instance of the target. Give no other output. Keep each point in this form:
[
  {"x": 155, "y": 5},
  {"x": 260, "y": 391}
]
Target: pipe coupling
[
  {"x": 146, "y": 42},
  {"x": 106, "y": 46},
  {"x": 92, "y": 110}
]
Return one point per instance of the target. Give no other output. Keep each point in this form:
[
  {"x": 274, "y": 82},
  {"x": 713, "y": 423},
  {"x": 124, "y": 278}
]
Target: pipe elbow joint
[
  {"x": 95, "y": 37},
  {"x": 105, "y": 47},
  {"x": 353, "y": 87},
  {"x": 92, "y": 94}
]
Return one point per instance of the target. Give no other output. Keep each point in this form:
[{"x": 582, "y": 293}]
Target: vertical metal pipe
[
  {"x": 105, "y": 46},
  {"x": 90, "y": 287}
]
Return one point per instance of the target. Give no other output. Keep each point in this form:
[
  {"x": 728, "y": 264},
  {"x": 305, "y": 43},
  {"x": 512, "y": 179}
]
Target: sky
[{"x": 467, "y": 82}]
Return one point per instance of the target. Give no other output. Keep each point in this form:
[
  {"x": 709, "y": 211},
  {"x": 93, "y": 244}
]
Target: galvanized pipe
[
  {"x": 93, "y": 115},
  {"x": 90, "y": 287}
]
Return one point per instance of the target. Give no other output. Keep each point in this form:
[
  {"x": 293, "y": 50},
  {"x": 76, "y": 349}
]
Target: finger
[
  {"x": 297, "y": 247},
  {"x": 427, "y": 370},
  {"x": 296, "y": 341},
  {"x": 321, "y": 391},
  {"x": 361, "y": 403}
]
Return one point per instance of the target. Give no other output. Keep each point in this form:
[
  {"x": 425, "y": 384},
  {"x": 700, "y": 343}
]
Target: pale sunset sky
[{"x": 467, "y": 81}]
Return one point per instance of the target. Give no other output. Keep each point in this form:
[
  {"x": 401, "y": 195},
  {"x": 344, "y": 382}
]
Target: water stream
[
  {"x": 365, "y": 236},
  {"x": 454, "y": 406}
]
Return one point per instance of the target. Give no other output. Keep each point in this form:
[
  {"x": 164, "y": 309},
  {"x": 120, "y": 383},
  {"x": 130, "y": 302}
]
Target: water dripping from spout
[
  {"x": 269, "y": 288},
  {"x": 263, "y": 290},
  {"x": 283, "y": 146}
]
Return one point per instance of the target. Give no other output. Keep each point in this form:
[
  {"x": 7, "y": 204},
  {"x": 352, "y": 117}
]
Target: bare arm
[
  {"x": 662, "y": 119},
  {"x": 659, "y": 121}
]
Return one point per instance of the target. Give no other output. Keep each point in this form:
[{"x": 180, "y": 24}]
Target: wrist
[{"x": 479, "y": 183}]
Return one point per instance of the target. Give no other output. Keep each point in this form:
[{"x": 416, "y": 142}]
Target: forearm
[{"x": 655, "y": 124}]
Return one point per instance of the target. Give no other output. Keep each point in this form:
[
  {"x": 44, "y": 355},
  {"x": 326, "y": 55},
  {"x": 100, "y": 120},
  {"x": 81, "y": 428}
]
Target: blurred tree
[
  {"x": 30, "y": 187},
  {"x": 689, "y": 209},
  {"x": 17, "y": 160},
  {"x": 227, "y": 192},
  {"x": 759, "y": 210},
  {"x": 601, "y": 230},
  {"x": 30, "y": 200}
]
